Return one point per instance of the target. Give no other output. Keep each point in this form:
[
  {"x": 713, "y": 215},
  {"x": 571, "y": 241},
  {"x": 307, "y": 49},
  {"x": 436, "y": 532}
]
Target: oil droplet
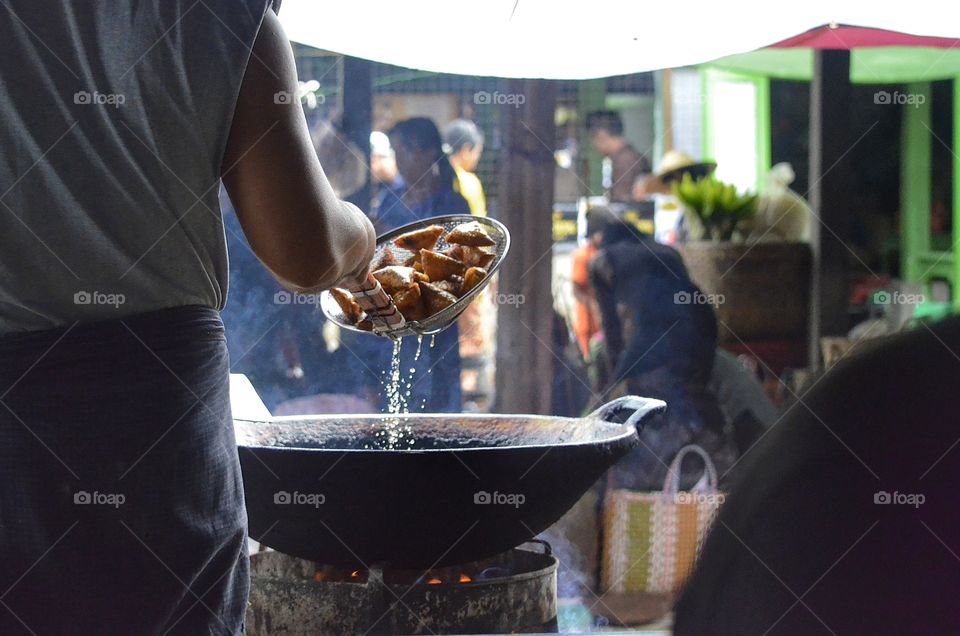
[{"x": 390, "y": 433}]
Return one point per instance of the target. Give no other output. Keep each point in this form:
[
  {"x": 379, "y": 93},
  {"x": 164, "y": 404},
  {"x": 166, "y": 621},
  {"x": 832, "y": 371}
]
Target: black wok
[{"x": 469, "y": 487}]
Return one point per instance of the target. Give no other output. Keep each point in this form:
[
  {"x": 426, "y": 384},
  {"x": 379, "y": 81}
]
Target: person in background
[
  {"x": 843, "y": 518},
  {"x": 747, "y": 409},
  {"x": 586, "y": 317},
  {"x": 383, "y": 169},
  {"x": 383, "y": 161},
  {"x": 671, "y": 227},
  {"x": 674, "y": 165},
  {"x": 428, "y": 188},
  {"x": 606, "y": 135},
  {"x": 660, "y": 334},
  {"x": 646, "y": 186},
  {"x": 463, "y": 142}
]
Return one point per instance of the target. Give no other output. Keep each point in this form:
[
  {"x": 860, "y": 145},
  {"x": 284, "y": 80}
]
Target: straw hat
[{"x": 674, "y": 163}]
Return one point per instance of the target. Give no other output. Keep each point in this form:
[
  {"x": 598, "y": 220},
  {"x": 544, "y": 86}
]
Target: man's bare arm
[{"x": 293, "y": 220}]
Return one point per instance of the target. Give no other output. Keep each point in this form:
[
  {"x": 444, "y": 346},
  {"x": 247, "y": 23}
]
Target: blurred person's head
[
  {"x": 606, "y": 131},
  {"x": 341, "y": 159},
  {"x": 383, "y": 163},
  {"x": 419, "y": 153},
  {"x": 599, "y": 218},
  {"x": 463, "y": 142},
  {"x": 675, "y": 164}
]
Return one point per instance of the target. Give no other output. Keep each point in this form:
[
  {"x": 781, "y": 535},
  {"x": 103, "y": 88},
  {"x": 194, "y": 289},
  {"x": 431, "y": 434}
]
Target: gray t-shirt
[{"x": 114, "y": 117}]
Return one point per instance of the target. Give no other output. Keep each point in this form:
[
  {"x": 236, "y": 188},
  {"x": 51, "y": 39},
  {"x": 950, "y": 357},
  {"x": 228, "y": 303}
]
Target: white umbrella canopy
[{"x": 581, "y": 40}]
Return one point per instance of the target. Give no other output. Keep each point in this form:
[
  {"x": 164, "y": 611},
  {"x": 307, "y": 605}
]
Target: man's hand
[{"x": 367, "y": 251}]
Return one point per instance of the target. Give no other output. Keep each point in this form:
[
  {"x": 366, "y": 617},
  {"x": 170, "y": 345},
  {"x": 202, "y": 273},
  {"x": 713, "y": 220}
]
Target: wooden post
[
  {"x": 591, "y": 96},
  {"x": 665, "y": 106},
  {"x": 358, "y": 116},
  {"x": 525, "y": 360},
  {"x": 830, "y": 140}
]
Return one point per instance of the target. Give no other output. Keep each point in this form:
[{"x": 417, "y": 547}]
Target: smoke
[{"x": 575, "y": 542}]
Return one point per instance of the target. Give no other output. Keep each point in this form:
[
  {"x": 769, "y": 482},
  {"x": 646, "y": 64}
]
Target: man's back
[{"x": 113, "y": 121}]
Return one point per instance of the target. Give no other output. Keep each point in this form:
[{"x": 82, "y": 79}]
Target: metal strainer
[{"x": 446, "y": 317}]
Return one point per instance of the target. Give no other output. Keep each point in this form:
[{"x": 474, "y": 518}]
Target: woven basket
[{"x": 652, "y": 539}]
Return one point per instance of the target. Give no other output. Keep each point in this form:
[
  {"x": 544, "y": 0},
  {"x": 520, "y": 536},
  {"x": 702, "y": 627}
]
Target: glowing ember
[
  {"x": 434, "y": 582},
  {"x": 355, "y": 574},
  {"x": 465, "y": 579}
]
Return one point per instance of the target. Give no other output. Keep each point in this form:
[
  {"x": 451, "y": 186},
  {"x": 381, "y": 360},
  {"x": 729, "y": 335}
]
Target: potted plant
[
  {"x": 739, "y": 253},
  {"x": 717, "y": 206}
]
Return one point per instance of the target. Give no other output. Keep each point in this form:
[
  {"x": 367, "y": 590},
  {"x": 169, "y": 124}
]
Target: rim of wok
[{"x": 614, "y": 432}]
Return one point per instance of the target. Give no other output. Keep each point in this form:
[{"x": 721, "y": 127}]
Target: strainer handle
[{"x": 378, "y": 305}]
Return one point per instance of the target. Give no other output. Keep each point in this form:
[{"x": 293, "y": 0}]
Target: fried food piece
[
  {"x": 414, "y": 262},
  {"x": 387, "y": 259},
  {"x": 366, "y": 325},
  {"x": 439, "y": 267},
  {"x": 473, "y": 277},
  {"x": 485, "y": 260},
  {"x": 470, "y": 233},
  {"x": 455, "y": 251},
  {"x": 395, "y": 277},
  {"x": 407, "y": 299},
  {"x": 351, "y": 308},
  {"x": 435, "y": 299},
  {"x": 417, "y": 311},
  {"x": 423, "y": 239},
  {"x": 476, "y": 257},
  {"x": 453, "y": 285}
]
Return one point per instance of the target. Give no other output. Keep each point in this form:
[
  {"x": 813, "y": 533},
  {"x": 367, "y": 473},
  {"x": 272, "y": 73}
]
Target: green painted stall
[{"x": 907, "y": 70}]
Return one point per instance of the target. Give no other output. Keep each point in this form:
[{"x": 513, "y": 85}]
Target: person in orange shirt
[{"x": 586, "y": 318}]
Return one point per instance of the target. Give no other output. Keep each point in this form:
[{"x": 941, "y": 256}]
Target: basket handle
[{"x": 671, "y": 484}]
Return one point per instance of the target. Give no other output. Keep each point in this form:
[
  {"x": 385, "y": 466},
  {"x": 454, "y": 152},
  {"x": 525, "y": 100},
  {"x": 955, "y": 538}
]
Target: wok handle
[
  {"x": 642, "y": 408},
  {"x": 546, "y": 547}
]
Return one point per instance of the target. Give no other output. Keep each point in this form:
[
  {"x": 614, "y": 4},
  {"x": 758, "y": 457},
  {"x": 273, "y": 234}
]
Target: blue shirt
[{"x": 392, "y": 212}]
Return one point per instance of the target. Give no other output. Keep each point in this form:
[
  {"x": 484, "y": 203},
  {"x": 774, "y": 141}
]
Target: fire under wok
[{"x": 461, "y": 488}]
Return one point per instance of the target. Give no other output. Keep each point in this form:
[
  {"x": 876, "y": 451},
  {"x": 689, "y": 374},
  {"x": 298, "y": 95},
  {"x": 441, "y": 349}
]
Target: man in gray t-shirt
[{"x": 121, "y": 501}]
